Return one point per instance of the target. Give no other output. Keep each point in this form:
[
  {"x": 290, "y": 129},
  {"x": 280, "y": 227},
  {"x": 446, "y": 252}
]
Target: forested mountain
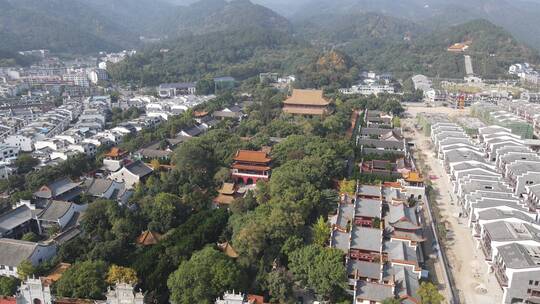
[
  {"x": 76, "y": 26},
  {"x": 215, "y": 37},
  {"x": 209, "y": 16},
  {"x": 387, "y": 43},
  {"x": 520, "y": 17}
]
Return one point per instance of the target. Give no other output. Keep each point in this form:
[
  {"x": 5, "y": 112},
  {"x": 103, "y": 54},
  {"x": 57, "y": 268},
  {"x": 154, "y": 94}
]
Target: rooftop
[
  {"x": 15, "y": 251},
  {"x": 252, "y": 156},
  {"x": 307, "y": 97},
  {"x": 369, "y": 239},
  {"x": 55, "y": 210},
  {"x": 519, "y": 256}
]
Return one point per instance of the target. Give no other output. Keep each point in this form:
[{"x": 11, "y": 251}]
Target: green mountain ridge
[{"x": 209, "y": 16}]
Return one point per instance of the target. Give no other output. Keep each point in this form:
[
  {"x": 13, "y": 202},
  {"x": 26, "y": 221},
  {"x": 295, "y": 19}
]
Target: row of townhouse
[
  {"x": 47, "y": 125},
  {"x": 491, "y": 177},
  {"x": 527, "y": 109},
  {"x": 166, "y": 108},
  {"x": 381, "y": 235}
]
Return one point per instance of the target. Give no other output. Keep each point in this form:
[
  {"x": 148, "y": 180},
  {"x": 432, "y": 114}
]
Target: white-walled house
[
  {"x": 132, "y": 174},
  {"x": 13, "y": 252}
]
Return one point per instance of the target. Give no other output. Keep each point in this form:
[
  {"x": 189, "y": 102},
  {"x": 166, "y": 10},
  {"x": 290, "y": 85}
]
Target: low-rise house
[
  {"x": 17, "y": 221},
  {"x": 107, "y": 189},
  {"x": 517, "y": 269},
  {"x": 132, "y": 173},
  {"x": 16, "y": 251},
  {"x": 57, "y": 214},
  {"x": 62, "y": 189},
  {"x": 8, "y": 152},
  {"x": 114, "y": 159},
  {"x": 192, "y": 132}
]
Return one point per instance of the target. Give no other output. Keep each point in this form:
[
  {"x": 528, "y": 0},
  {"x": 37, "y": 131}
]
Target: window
[{"x": 536, "y": 283}]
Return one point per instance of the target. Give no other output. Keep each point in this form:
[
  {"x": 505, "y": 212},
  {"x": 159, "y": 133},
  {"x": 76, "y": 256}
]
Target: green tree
[
  {"x": 30, "y": 237},
  {"x": 165, "y": 212},
  {"x": 25, "y": 269},
  {"x": 429, "y": 294},
  {"x": 85, "y": 280},
  {"x": 8, "y": 286},
  {"x": 25, "y": 163},
  {"x": 204, "y": 277},
  {"x": 321, "y": 232},
  {"x": 320, "y": 269},
  {"x": 279, "y": 284},
  {"x": 119, "y": 274}
]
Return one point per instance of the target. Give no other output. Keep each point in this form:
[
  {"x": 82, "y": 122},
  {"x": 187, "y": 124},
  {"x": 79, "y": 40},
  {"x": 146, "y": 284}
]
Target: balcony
[
  {"x": 486, "y": 249},
  {"x": 501, "y": 276}
]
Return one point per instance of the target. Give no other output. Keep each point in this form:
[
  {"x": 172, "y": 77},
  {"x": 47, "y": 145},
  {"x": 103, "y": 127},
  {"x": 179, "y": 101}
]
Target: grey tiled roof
[
  {"x": 345, "y": 215},
  {"x": 366, "y": 238},
  {"x": 15, "y": 251},
  {"x": 369, "y": 190},
  {"x": 15, "y": 218},
  {"x": 54, "y": 210},
  {"x": 373, "y": 291},
  {"x": 340, "y": 240},
  {"x": 365, "y": 269},
  {"x": 62, "y": 186},
  {"x": 97, "y": 186},
  {"x": 139, "y": 168},
  {"x": 368, "y": 208}
]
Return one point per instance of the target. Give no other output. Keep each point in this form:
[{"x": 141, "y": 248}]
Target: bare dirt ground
[{"x": 469, "y": 270}]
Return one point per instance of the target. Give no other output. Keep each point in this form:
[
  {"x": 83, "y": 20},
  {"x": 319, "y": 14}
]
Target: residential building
[
  {"x": 8, "y": 152},
  {"x": 131, "y": 174},
  {"x": 171, "y": 90},
  {"x": 16, "y": 251},
  {"x": 63, "y": 189}
]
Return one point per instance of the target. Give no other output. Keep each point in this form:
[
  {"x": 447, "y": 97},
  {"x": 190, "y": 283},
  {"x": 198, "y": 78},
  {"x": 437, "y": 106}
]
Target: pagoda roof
[
  {"x": 115, "y": 152},
  {"x": 227, "y": 189},
  {"x": 252, "y": 156},
  {"x": 414, "y": 177},
  {"x": 228, "y": 250},
  {"x": 223, "y": 199},
  {"x": 307, "y": 97},
  {"x": 148, "y": 238}
]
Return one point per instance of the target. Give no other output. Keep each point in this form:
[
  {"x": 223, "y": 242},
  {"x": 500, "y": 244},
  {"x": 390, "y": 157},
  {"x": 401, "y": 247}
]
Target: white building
[{"x": 13, "y": 252}]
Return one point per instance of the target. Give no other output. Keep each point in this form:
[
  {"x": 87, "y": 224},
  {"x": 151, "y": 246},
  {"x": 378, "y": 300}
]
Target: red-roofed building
[
  {"x": 8, "y": 300},
  {"x": 251, "y": 166}
]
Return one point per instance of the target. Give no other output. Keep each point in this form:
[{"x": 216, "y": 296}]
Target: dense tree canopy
[
  {"x": 320, "y": 269},
  {"x": 204, "y": 277},
  {"x": 85, "y": 280}
]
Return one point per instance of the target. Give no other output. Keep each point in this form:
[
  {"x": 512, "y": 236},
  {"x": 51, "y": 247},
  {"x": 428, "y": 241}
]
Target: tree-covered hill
[
  {"x": 378, "y": 43},
  {"x": 520, "y": 17},
  {"x": 76, "y": 26},
  {"x": 210, "y": 16}
]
